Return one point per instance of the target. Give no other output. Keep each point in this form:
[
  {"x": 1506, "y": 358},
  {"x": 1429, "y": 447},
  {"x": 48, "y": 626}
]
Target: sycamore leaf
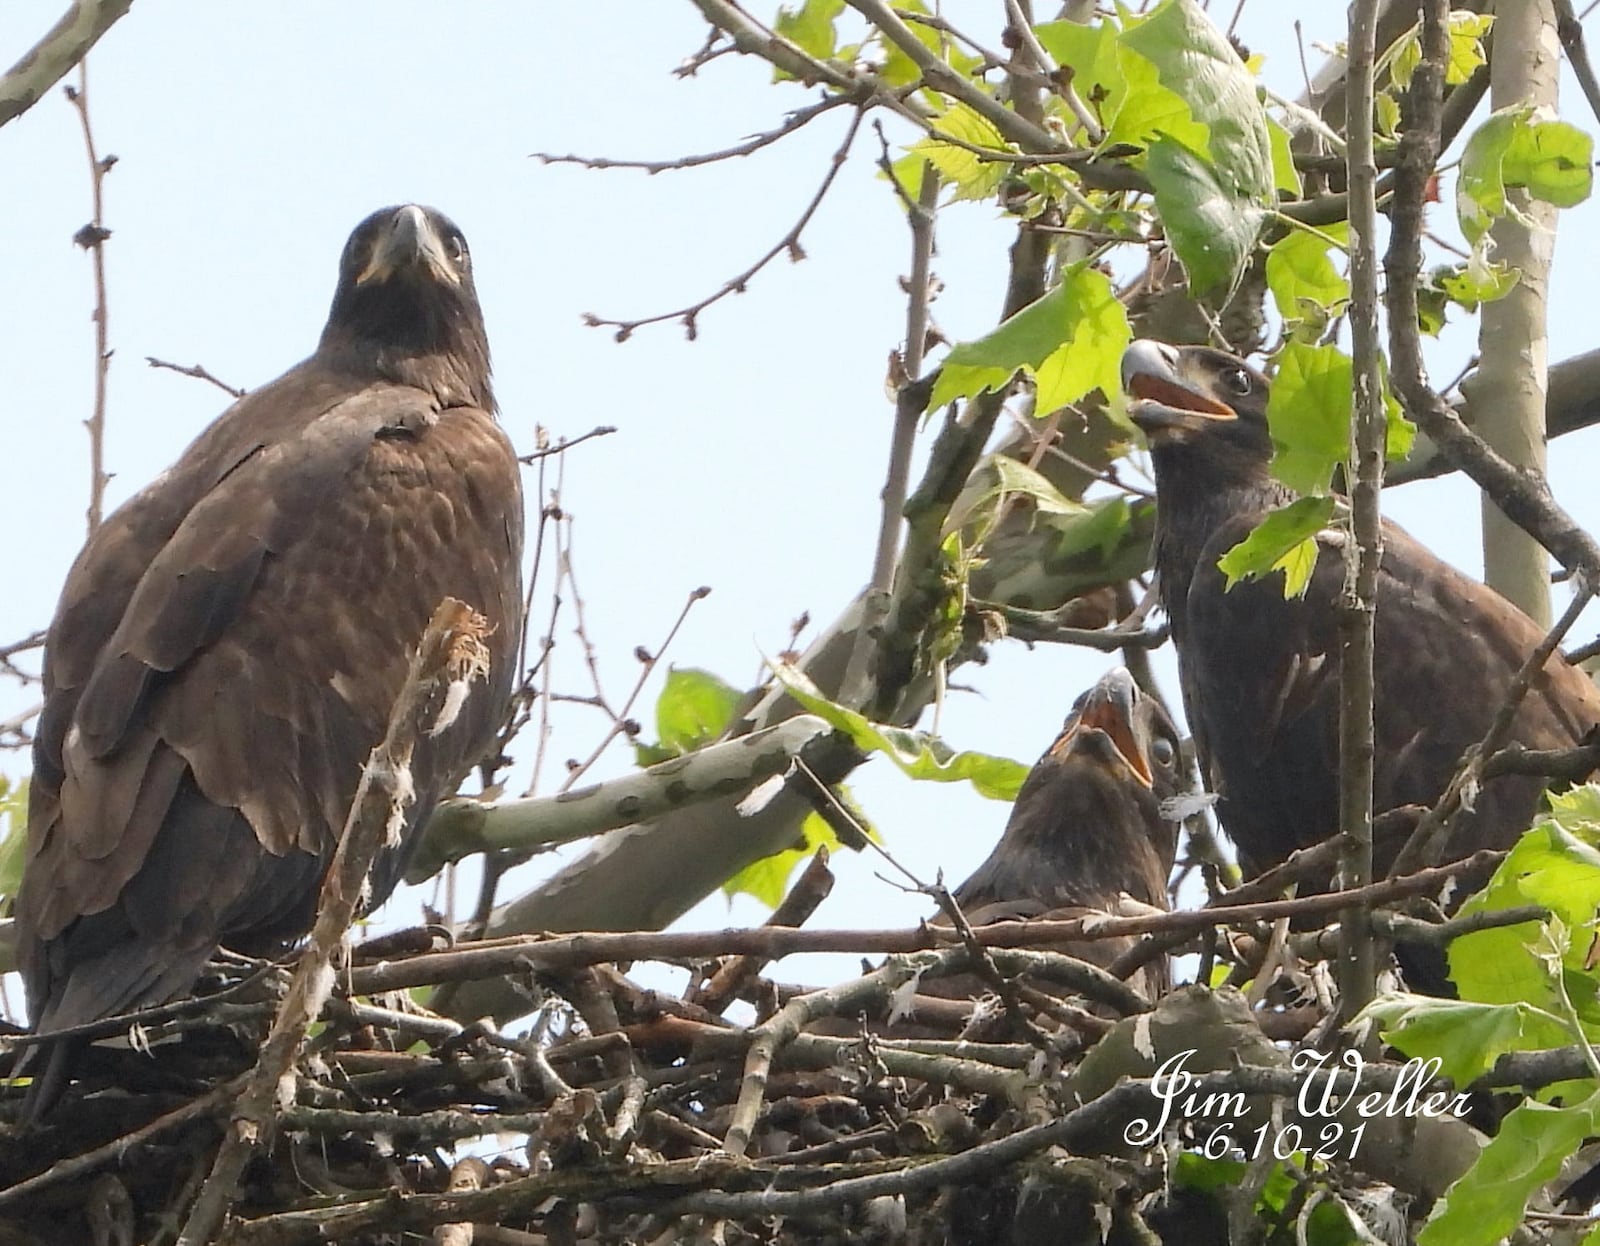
[
  {"x": 972, "y": 177},
  {"x": 1211, "y": 228},
  {"x": 1285, "y": 177},
  {"x": 1552, "y": 866},
  {"x": 1284, "y": 541},
  {"x": 1070, "y": 341},
  {"x": 1551, "y": 160},
  {"x": 1488, "y": 1202},
  {"x": 1471, "y": 284},
  {"x": 1299, "y": 268},
  {"x": 917, "y": 754},
  {"x": 1194, "y": 59},
  {"x": 998, "y": 479},
  {"x": 1212, "y": 194},
  {"x": 810, "y": 27},
  {"x": 1465, "y": 1037},
  {"x": 768, "y": 879},
  {"x": 694, "y": 708},
  {"x": 1467, "y": 30},
  {"x": 1308, "y": 412}
]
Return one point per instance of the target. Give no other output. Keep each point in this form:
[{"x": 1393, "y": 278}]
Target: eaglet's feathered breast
[
  {"x": 1261, "y": 673},
  {"x": 230, "y": 642}
]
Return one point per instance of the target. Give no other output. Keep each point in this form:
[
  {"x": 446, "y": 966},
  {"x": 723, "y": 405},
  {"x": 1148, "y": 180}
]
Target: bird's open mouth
[
  {"x": 1150, "y": 387},
  {"x": 1101, "y": 727}
]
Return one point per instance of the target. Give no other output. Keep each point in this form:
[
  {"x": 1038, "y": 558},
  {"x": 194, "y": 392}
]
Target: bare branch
[
  {"x": 789, "y": 244},
  {"x": 563, "y": 445},
  {"x": 199, "y": 372},
  {"x": 92, "y": 238},
  {"x": 65, "y": 45},
  {"x": 493, "y": 957},
  {"x": 796, "y": 120}
]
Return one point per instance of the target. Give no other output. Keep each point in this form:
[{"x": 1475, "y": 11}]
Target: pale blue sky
[{"x": 253, "y": 136}]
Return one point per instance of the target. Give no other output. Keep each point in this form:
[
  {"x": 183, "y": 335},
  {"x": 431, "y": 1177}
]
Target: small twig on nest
[
  {"x": 451, "y": 651},
  {"x": 842, "y": 1000},
  {"x": 79, "y": 1165},
  {"x": 199, "y": 372},
  {"x": 809, "y": 891}
]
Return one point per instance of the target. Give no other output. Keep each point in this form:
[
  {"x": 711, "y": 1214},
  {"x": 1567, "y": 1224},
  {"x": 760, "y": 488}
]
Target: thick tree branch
[
  {"x": 1359, "y": 602},
  {"x": 1509, "y": 385},
  {"x": 1524, "y": 496},
  {"x": 48, "y": 61},
  {"x": 462, "y": 827}
]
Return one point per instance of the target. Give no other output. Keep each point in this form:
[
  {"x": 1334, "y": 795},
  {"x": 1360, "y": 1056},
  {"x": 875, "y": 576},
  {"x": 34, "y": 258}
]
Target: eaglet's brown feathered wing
[
  {"x": 230, "y": 642},
  {"x": 1261, "y": 673}
]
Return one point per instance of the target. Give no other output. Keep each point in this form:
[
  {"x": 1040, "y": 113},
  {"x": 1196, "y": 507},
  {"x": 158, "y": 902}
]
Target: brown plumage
[
  {"x": 1261, "y": 673},
  {"x": 1088, "y": 825},
  {"x": 229, "y": 643}
]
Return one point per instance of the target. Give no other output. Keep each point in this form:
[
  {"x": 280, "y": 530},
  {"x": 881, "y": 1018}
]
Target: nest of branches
[{"x": 972, "y": 1087}]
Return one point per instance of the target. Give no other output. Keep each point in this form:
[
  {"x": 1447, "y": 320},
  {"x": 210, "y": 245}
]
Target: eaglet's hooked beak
[
  {"x": 1102, "y": 727},
  {"x": 1167, "y": 389},
  {"x": 408, "y": 242}
]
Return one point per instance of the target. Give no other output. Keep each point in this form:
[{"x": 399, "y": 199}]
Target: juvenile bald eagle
[
  {"x": 1261, "y": 673},
  {"x": 1088, "y": 826},
  {"x": 230, "y": 642}
]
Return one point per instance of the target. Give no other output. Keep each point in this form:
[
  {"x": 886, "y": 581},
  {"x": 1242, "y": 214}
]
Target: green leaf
[
  {"x": 997, "y": 480},
  {"x": 1467, "y": 30},
  {"x": 1284, "y": 541},
  {"x": 1550, "y": 866},
  {"x": 13, "y": 836},
  {"x": 1489, "y": 1201},
  {"x": 768, "y": 879},
  {"x": 972, "y": 178},
  {"x": 917, "y": 754},
  {"x": 1473, "y": 283},
  {"x": 1194, "y": 59},
  {"x": 1285, "y": 177},
  {"x": 1551, "y": 160},
  {"x": 899, "y": 69},
  {"x": 811, "y": 28},
  {"x": 1308, "y": 412},
  {"x": 1070, "y": 340},
  {"x": 1211, "y": 227},
  {"x": 1465, "y": 1037},
  {"x": 1211, "y": 195},
  {"x": 694, "y": 708},
  {"x": 1300, "y": 271}
]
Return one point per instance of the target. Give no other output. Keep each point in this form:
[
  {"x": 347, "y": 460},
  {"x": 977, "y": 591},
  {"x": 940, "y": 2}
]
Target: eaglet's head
[
  {"x": 1198, "y": 405},
  {"x": 406, "y": 310}
]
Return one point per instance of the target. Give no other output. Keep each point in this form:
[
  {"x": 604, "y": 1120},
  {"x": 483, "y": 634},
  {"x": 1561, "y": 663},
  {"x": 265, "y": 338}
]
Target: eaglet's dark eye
[
  {"x": 1162, "y": 751},
  {"x": 1237, "y": 381},
  {"x": 456, "y": 245}
]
